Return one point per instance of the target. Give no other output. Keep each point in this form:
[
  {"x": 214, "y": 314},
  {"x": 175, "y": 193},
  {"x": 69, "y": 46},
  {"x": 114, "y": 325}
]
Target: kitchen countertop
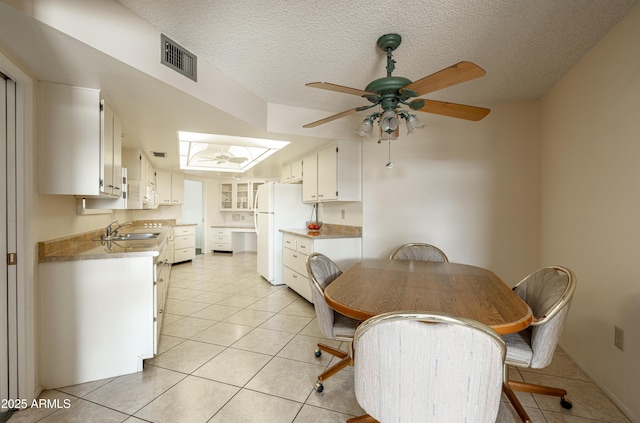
[
  {"x": 236, "y": 227},
  {"x": 327, "y": 231},
  {"x": 89, "y": 246}
]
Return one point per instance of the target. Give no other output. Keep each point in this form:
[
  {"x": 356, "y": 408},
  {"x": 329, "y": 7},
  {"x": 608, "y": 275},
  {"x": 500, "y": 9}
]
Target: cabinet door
[
  {"x": 296, "y": 171},
  {"x": 163, "y": 179},
  {"x": 110, "y": 152},
  {"x": 254, "y": 194},
  {"x": 328, "y": 174},
  {"x": 285, "y": 174},
  {"x": 177, "y": 188},
  {"x": 242, "y": 195},
  {"x": 226, "y": 196},
  {"x": 106, "y": 148},
  {"x": 310, "y": 179},
  {"x": 69, "y": 146},
  {"x": 117, "y": 156}
]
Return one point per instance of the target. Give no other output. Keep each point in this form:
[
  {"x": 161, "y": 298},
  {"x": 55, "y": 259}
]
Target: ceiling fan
[
  {"x": 221, "y": 158},
  {"x": 391, "y": 92}
]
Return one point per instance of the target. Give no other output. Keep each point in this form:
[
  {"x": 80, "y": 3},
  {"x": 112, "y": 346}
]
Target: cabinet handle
[
  {"x": 295, "y": 276},
  {"x": 160, "y": 280},
  {"x": 303, "y": 247},
  {"x": 295, "y": 256}
]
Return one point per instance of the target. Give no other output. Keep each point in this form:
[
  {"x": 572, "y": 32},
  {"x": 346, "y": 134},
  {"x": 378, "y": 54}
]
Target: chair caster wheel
[
  {"x": 319, "y": 387},
  {"x": 565, "y": 403},
  {"x": 318, "y": 353}
]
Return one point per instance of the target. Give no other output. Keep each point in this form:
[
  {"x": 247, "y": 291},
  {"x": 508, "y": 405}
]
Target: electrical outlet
[
  {"x": 243, "y": 217},
  {"x": 618, "y": 338},
  {"x": 342, "y": 214}
]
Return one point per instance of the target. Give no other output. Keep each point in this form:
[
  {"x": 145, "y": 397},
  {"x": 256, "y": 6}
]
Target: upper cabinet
[
  {"x": 139, "y": 167},
  {"x": 333, "y": 173},
  {"x": 238, "y": 196},
  {"x": 80, "y": 143},
  {"x": 170, "y": 186},
  {"x": 111, "y": 149},
  {"x": 291, "y": 173}
]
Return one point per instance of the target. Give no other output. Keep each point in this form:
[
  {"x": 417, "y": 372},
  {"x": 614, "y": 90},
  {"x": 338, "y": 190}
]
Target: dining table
[{"x": 372, "y": 287}]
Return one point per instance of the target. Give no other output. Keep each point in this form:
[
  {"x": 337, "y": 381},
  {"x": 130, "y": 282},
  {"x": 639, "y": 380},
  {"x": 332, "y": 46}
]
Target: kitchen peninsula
[
  {"x": 343, "y": 244},
  {"x": 101, "y": 302}
]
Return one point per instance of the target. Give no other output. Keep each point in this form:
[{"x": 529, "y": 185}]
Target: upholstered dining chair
[
  {"x": 414, "y": 367},
  {"x": 419, "y": 252},
  {"x": 548, "y": 291},
  {"x": 333, "y": 325}
]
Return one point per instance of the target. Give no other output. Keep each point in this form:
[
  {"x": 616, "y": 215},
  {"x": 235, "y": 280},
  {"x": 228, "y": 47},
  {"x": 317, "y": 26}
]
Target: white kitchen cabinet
[
  {"x": 221, "y": 240},
  {"x": 96, "y": 319},
  {"x": 184, "y": 243},
  {"x": 80, "y": 142},
  {"x": 344, "y": 251},
  {"x": 170, "y": 186},
  {"x": 238, "y": 196},
  {"x": 139, "y": 167},
  {"x": 162, "y": 276},
  {"x": 111, "y": 151},
  {"x": 291, "y": 173},
  {"x": 334, "y": 173}
]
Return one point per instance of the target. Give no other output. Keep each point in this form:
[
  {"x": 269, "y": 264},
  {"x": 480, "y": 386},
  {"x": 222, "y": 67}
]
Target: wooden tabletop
[{"x": 372, "y": 287}]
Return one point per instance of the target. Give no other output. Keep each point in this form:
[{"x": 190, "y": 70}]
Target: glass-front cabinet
[
  {"x": 254, "y": 192},
  {"x": 226, "y": 196},
  {"x": 242, "y": 196},
  {"x": 238, "y": 196}
]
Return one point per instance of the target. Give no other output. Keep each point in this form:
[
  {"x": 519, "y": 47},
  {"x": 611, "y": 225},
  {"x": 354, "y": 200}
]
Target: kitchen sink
[{"x": 134, "y": 236}]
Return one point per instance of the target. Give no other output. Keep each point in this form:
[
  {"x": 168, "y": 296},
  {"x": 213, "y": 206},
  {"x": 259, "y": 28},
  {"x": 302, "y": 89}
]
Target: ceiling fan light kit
[{"x": 390, "y": 92}]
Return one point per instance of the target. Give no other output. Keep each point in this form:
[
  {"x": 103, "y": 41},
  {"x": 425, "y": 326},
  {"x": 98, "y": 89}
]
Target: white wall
[
  {"x": 471, "y": 188},
  {"x": 591, "y": 205}
]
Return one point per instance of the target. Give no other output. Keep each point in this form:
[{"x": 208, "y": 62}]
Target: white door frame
[{"x": 22, "y": 361}]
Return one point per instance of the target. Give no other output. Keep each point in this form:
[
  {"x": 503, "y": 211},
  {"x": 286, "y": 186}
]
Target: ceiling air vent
[
  {"x": 178, "y": 58},
  {"x": 159, "y": 154}
]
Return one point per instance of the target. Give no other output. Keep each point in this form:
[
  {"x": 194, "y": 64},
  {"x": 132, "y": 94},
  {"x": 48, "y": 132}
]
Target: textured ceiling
[{"x": 274, "y": 47}]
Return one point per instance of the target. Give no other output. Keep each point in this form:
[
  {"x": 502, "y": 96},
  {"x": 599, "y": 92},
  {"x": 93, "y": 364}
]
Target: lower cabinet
[
  {"x": 344, "y": 251},
  {"x": 161, "y": 278},
  {"x": 184, "y": 243},
  {"x": 97, "y": 318},
  {"x": 221, "y": 240}
]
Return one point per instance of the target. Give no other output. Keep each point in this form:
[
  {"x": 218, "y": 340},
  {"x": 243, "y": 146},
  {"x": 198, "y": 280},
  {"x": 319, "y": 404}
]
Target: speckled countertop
[
  {"x": 89, "y": 246},
  {"x": 327, "y": 231}
]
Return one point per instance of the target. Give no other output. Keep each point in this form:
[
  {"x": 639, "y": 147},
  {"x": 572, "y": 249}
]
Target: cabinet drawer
[
  {"x": 184, "y": 254},
  {"x": 220, "y": 232},
  {"x": 221, "y": 246},
  {"x": 184, "y": 241},
  {"x": 297, "y": 282},
  {"x": 184, "y": 230},
  {"x": 305, "y": 246},
  {"x": 295, "y": 260},
  {"x": 289, "y": 241}
]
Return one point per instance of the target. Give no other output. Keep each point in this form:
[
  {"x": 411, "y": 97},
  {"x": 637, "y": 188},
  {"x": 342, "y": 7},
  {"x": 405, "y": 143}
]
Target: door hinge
[{"x": 12, "y": 259}]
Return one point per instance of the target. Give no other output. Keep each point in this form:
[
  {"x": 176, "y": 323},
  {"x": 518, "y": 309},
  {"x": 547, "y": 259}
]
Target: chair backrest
[
  {"x": 322, "y": 271},
  {"x": 419, "y": 252},
  {"x": 448, "y": 369},
  {"x": 549, "y": 292}
]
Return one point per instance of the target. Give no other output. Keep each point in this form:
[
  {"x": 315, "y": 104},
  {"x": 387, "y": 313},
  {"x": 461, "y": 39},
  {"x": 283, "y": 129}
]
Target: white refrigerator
[{"x": 277, "y": 206}]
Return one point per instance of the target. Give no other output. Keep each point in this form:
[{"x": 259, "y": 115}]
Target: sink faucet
[{"x": 114, "y": 232}]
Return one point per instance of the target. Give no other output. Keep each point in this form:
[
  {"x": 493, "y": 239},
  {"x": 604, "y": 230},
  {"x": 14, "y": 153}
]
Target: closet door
[{"x": 8, "y": 245}]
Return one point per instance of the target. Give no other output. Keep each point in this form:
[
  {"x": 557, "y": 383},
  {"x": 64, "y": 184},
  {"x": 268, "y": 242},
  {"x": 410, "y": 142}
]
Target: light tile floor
[{"x": 235, "y": 349}]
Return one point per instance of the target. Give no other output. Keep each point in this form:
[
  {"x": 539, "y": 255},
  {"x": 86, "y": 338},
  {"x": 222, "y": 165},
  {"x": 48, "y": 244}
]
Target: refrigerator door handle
[{"x": 255, "y": 222}]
